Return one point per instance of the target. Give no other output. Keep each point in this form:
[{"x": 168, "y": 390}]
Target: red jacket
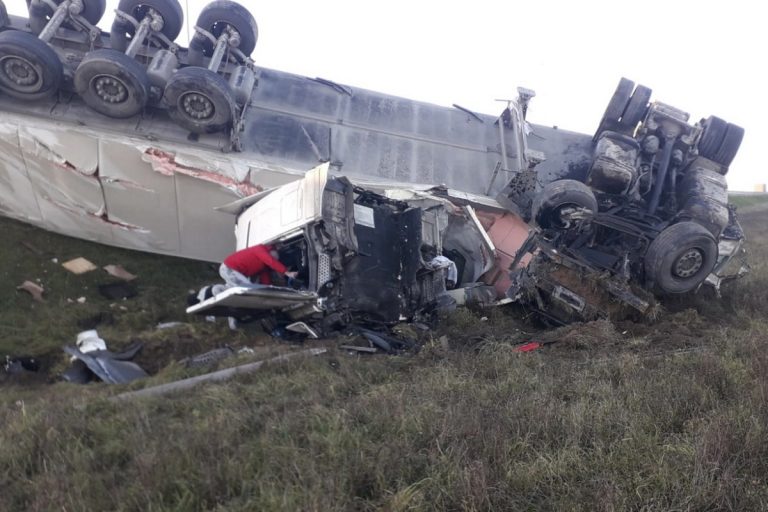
[{"x": 253, "y": 261}]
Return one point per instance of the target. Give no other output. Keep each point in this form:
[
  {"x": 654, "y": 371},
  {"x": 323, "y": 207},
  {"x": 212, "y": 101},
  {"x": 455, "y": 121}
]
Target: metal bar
[
  {"x": 661, "y": 177},
  {"x": 503, "y": 146},
  {"x": 59, "y": 15},
  {"x": 493, "y": 178},
  {"x": 226, "y": 374},
  {"x": 142, "y": 31},
  {"x": 218, "y": 52}
]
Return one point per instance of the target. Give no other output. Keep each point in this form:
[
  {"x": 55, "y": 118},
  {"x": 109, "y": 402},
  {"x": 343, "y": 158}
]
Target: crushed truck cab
[{"x": 362, "y": 256}]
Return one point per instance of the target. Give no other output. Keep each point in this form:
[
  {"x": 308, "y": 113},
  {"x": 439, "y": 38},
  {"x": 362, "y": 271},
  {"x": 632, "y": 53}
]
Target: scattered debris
[
  {"x": 119, "y": 272},
  {"x": 109, "y": 367},
  {"x": 81, "y": 300},
  {"x": 386, "y": 342},
  {"x": 115, "y": 291},
  {"x": 209, "y": 358},
  {"x": 169, "y": 325},
  {"x": 35, "y": 290},
  {"x": 79, "y": 266},
  {"x": 528, "y": 347},
  {"x": 217, "y": 376},
  {"x": 302, "y": 328},
  {"x": 354, "y": 348},
  {"x": 21, "y": 364},
  {"x": 89, "y": 341}
]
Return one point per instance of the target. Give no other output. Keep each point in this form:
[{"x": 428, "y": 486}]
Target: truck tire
[
  {"x": 680, "y": 258},
  {"x": 112, "y": 83},
  {"x": 4, "y": 20},
  {"x": 169, "y": 10},
  {"x": 712, "y": 137},
  {"x": 734, "y": 134},
  {"x": 636, "y": 109},
  {"x": 29, "y": 69},
  {"x": 616, "y": 106},
  {"x": 200, "y": 100},
  {"x": 216, "y": 16},
  {"x": 92, "y": 11},
  {"x": 558, "y": 195}
]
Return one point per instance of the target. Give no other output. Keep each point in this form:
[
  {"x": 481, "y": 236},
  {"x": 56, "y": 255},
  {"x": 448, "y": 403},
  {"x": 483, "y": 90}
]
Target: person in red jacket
[{"x": 241, "y": 267}]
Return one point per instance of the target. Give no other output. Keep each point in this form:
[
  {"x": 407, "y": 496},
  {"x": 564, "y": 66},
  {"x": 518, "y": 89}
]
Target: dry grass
[{"x": 665, "y": 416}]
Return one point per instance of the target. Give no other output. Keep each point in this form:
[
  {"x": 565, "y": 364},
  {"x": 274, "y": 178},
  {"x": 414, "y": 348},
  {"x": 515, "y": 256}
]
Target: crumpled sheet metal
[
  {"x": 108, "y": 366},
  {"x": 108, "y": 189}
]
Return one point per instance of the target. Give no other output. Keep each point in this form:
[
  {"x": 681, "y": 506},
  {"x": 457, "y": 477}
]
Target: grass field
[{"x": 671, "y": 415}]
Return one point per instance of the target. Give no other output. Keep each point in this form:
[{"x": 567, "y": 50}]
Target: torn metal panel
[
  {"x": 138, "y": 195},
  {"x": 67, "y": 148},
  {"x": 170, "y": 163},
  {"x": 70, "y": 198},
  {"x": 17, "y": 195},
  {"x": 109, "y": 367}
]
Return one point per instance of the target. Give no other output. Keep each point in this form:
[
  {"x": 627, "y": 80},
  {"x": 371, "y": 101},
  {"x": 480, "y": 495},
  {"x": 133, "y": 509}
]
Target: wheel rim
[
  {"x": 21, "y": 74},
  {"x": 109, "y": 89},
  {"x": 197, "y": 106},
  {"x": 688, "y": 264}
]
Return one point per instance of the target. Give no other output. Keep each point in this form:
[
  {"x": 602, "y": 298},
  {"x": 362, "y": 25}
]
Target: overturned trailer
[{"x": 126, "y": 138}]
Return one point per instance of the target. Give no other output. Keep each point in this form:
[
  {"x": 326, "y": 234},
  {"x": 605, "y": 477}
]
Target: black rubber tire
[
  {"x": 558, "y": 194},
  {"x": 170, "y": 10},
  {"x": 108, "y": 71},
  {"x": 217, "y": 15},
  {"x": 734, "y": 134},
  {"x": 636, "y": 108},
  {"x": 664, "y": 259},
  {"x": 93, "y": 10},
  {"x": 4, "y": 20},
  {"x": 712, "y": 137},
  {"x": 616, "y": 106},
  {"x": 211, "y": 92},
  {"x": 23, "y": 52}
]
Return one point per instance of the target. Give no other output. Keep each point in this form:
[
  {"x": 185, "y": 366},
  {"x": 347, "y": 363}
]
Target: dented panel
[
  {"x": 17, "y": 196},
  {"x": 130, "y": 186}
]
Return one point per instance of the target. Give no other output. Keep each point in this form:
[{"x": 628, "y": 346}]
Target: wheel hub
[
  {"x": 110, "y": 89},
  {"x": 197, "y": 106},
  {"x": 689, "y": 263},
  {"x": 20, "y": 73}
]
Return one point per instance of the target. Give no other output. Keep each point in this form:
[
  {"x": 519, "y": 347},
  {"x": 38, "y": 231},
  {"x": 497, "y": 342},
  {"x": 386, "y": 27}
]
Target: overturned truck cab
[
  {"x": 362, "y": 256},
  {"x": 649, "y": 219}
]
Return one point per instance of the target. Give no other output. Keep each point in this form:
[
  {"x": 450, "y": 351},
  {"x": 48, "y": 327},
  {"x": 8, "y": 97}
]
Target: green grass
[
  {"x": 744, "y": 201},
  {"x": 665, "y": 416},
  {"x": 37, "y": 329}
]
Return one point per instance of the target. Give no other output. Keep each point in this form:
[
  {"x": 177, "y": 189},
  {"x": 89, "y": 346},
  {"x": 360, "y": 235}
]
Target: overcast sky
[{"x": 705, "y": 57}]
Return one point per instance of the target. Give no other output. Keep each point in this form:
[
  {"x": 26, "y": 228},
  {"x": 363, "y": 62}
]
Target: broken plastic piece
[
  {"x": 528, "y": 347},
  {"x": 89, "y": 341},
  {"x": 35, "y": 290},
  {"x": 303, "y": 328},
  {"x": 79, "y": 266},
  {"x": 119, "y": 272},
  {"x": 110, "y": 367}
]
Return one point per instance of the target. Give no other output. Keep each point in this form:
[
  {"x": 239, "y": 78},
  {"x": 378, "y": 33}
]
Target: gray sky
[{"x": 702, "y": 56}]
